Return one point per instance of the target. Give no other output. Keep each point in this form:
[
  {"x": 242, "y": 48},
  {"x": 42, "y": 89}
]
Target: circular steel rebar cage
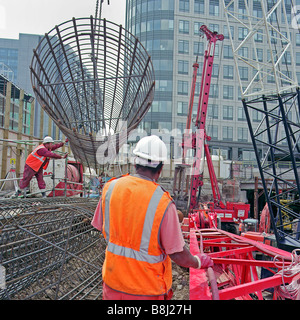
[
  {"x": 96, "y": 81},
  {"x": 49, "y": 250}
]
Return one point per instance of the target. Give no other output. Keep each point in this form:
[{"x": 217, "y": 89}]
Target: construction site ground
[{"x": 180, "y": 282}]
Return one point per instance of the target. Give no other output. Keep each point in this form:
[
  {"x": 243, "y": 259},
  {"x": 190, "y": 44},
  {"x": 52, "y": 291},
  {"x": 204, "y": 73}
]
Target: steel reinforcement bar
[{"x": 49, "y": 250}]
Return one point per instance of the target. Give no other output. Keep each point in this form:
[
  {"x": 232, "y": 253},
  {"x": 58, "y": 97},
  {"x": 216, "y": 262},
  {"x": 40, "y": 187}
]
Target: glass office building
[
  {"x": 15, "y": 60},
  {"x": 169, "y": 30},
  {"x": 153, "y": 23}
]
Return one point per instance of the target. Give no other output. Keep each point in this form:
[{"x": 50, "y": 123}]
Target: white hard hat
[
  {"x": 150, "y": 151},
  {"x": 48, "y": 139}
]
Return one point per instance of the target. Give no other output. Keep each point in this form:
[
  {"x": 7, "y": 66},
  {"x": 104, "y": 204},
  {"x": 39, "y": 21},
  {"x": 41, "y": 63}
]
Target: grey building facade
[
  {"x": 169, "y": 30},
  {"x": 15, "y": 60}
]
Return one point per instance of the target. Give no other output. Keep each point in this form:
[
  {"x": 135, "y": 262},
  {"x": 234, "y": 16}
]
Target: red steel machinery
[{"x": 243, "y": 269}]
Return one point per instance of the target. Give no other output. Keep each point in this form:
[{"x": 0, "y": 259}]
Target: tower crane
[{"x": 271, "y": 102}]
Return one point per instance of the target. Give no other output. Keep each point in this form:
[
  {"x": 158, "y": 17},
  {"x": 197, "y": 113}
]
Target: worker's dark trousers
[{"x": 28, "y": 175}]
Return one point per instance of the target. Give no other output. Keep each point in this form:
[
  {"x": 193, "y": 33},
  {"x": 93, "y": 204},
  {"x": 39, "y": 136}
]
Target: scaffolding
[{"x": 271, "y": 95}]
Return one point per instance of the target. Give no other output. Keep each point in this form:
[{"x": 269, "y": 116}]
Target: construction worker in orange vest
[
  {"x": 139, "y": 221},
  {"x": 36, "y": 162}
]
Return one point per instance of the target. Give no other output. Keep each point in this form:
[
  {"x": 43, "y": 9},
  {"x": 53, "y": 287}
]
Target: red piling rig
[{"x": 229, "y": 212}]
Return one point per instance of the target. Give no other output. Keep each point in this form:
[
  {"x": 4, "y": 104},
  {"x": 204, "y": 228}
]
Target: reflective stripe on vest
[
  {"x": 142, "y": 254},
  {"x": 41, "y": 158},
  {"x": 35, "y": 161}
]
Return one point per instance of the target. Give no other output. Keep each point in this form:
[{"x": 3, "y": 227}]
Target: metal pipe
[{"x": 210, "y": 272}]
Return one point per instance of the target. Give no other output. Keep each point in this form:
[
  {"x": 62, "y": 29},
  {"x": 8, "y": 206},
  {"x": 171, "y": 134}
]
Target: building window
[
  {"x": 256, "y": 116},
  {"x": 240, "y": 93},
  {"x": 199, "y": 6},
  {"x": 284, "y": 37},
  {"x": 288, "y": 13},
  {"x": 216, "y": 50},
  {"x": 298, "y": 77},
  {"x": 183, "y": 46},
  {"x": 273, "y": 36},
  {"x": 214, "y": 27},
  {"x": 288, "y": 76},
  {"x": 270, "y": 77},
  {"x": 226, "y": 153},
  {"x": 212, "y": 131},
  {"x": 243, "y": 71},
  {"x": 163, "y": 85},
  {"x": 259, "y": 54},
  {"x": 227, "y": 72},
  {"x": 181, "y": 126},
  {"x": 227, "y": 113},
  {"x": 183, "y": 67},
  {"x": 228, "y": 52},
  {"x": 182, "y": 87},
  {"x": 274, "y": 54},
  {"x": 242, "y": 134},
  {"x": 182, "y": 108},
  {"x": 197, "y": 26},
  {"x": 297, "y": 39},
  {"x": 213, "y": 111},
  {"x": 162, "y": 65},
  {"x": 214, "y": 8},
  {"x": 163, "y": 24},
  {"x": 241, "y": 114},
  {"x": 200, "y": 69},
  {"x": 184, "y": 5},
  {"x": 228, "y": 92},
  {"x": 287, "y": 59},
  {"x": 257, "y": 10},
  {"x": 258, "y": 37},
  {"x": 198, "y": 48},
  {"x": 215, "y": 70},
  {"x": 248, "y": 154},
  {"x": 197, "y": 88},
  {"x": 227, "y": 133},
  {"x": 242, "y": 33},
  {"x": 243, "y": 52},
  {"x": 184, "y": 26},
  {"x": 298, "y": 58},
  {"x": 214, "y": 90},
  {"x": 226, "y": 33},
  {"x": 242, "y": 9}
]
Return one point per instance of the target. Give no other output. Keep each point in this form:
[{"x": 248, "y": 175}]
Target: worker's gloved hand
[
  {"x": 65, "y": 155},
  {"x": 66, "y": 140},
  {"x": 204, "y": 261}
]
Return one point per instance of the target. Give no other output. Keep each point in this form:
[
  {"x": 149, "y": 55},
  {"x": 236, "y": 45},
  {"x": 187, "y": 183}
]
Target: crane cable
[{"x": 291, "y": 290}]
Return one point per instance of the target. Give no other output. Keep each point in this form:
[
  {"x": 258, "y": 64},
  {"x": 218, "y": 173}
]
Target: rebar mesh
[
  {"x": 93, "y": 78},
  {"x": 50, "y": 250}
]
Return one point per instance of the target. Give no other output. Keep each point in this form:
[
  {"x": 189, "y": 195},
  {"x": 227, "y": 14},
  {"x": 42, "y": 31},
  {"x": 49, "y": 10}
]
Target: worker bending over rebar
[
  {"x": 36, "y": 162},
  {"x": 139, "y": 221}
]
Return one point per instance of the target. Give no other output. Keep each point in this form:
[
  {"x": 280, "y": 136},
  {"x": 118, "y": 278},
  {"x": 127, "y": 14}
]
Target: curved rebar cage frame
[
  {"x": 49, "y": 250},
  {"x": 95, "y": 80}
]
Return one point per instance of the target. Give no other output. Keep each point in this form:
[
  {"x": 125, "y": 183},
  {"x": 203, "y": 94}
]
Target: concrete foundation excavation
[{"x": 96, "y": 81}]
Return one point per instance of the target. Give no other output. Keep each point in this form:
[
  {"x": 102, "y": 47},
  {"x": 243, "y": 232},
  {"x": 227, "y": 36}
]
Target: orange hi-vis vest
[
  {"x": 135, "y": 263},
  {"x": 34, "y": 161}
]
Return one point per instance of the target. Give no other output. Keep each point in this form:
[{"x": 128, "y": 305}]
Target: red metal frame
[
  {"x": 72, "y": 189},
  {"x": 237, "y": 259},
  {"x": 237, "y": 262}
]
